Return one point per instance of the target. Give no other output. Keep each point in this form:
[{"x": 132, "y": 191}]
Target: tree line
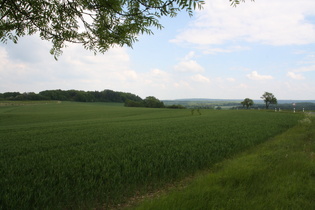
[
  {"x": 151, "y": 102},
  {"x": 129, "y": 99},
  {"x": 72, "y": 95}
]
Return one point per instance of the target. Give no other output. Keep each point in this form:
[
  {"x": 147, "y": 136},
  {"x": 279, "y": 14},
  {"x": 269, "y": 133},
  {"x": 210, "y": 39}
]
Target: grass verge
[{"x": 278, "y": 174}]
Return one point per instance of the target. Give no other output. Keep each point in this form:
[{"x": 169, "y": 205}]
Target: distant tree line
[
  {"x": 129, "y": 99},
  {"x": 151, "y": 102},
  {"x": 307, "y": 106},
  {"x": 72, "y": 95}
]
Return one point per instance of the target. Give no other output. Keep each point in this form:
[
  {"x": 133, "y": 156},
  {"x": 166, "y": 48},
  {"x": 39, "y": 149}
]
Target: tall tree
[
  {"x": 247, "y": 102},
  {"x": 269, "y": 98},
  {"x": 96, "y": 24}
]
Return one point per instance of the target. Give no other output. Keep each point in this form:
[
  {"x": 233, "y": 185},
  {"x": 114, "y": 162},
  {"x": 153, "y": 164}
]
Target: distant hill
[
  {"x": 204, "y": 99},
  {"x": 258, "y": 101},
  {"x": 294, "y": 101},
  {"x": 205, "y": 103}
]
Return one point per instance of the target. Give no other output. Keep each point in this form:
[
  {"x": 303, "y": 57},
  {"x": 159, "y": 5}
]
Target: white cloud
[
  {"x": 190, "y": 55},
  {"x": 309, "y": 58},
  {"x": 243, "y": 86},
  {"x": 182, "y": 84},
  {"x": 127, "y": 75},
  {"x": 230, "y": 79},
  {"x": 300, "y": 52},
  {"x": 255, "y": 76},
  {"x": 6, "y": 63},
  {"x": 17, "y": 74},
  {"x": 277, "y": 22},
  {"x": 156, "y": 77},
  {"x": 159, "y": 73},
  {"x": 200, "y": 78},
  {"x": 305, "y": 69},
  {"x": 75, "y": 69},
  {"x": 189, "y": 65},
  {"x": 295, "y": 76},
  {"x": 226, "y": 50}
]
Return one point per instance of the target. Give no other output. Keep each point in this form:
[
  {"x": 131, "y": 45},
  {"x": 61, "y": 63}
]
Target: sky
[{"x": 222, "y": 52}]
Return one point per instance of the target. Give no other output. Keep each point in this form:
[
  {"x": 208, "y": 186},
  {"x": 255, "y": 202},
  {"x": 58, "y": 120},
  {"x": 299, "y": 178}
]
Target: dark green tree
[
  {"x": 176, "y": 106},
  {"x": 247, "y": 102},
  {"x": 269, "y": 98},
  {"x": 153, "y": 102},
  {"x": 61, "y": 95},
  {"x": 11, "y": 95},
  {"x": 131, "y": 103},
  {"x": 83, "y": 96}
]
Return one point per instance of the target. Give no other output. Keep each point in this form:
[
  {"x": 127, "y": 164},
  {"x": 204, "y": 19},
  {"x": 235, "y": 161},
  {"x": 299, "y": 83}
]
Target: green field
[
  {"x": 92, "y": 155},
  {"x": 277, "y": 174}
]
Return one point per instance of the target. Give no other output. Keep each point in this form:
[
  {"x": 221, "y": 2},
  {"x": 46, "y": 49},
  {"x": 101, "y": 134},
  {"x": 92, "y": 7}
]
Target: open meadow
[{"x": 95, "y": 155}]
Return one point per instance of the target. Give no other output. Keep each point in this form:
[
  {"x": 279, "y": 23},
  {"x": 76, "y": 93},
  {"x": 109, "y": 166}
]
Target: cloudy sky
[{"x": 221, "y": 53}]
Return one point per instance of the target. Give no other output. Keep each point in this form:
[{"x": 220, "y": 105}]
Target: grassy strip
[{"x": 279, "y": 174}]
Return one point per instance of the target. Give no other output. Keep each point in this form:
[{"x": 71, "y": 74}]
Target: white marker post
[
  {"x": 294, "y": 110},
  {"x": 303, "y": 109}
]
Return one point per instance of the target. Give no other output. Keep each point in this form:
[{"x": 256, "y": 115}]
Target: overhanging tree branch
[{"x": 96, "y": 24}]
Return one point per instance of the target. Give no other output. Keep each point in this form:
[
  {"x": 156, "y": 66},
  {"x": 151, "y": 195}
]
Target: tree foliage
[
  {"x": 96, "y": 24},
  {"x": 269, "y": 98},
  {"x": 149, "y": 102},
  {"x": 176, "y": 106},
  {"x": 234, "y": 3},
  {"x": 247, "y": 102},
  {"x": 153, "y": 102}
]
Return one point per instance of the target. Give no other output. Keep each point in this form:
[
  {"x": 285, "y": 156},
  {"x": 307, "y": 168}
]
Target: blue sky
[{"x": 221, "y": 53}]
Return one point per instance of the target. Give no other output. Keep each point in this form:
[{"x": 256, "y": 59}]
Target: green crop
[{"x": 84, "y": 155}]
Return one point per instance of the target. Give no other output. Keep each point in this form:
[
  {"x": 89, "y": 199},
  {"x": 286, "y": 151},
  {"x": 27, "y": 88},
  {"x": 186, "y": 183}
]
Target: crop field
[{"x": 94, "y": 155}]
